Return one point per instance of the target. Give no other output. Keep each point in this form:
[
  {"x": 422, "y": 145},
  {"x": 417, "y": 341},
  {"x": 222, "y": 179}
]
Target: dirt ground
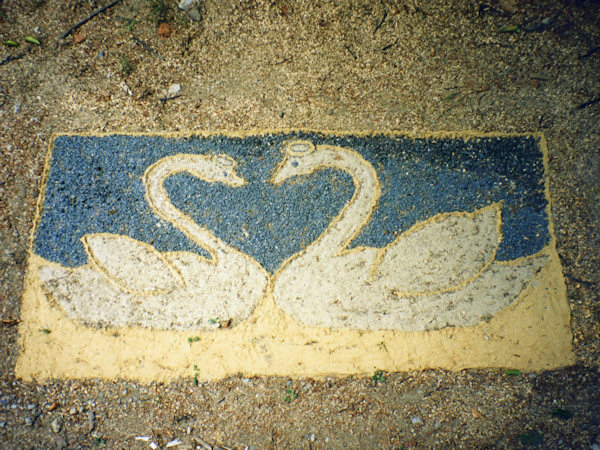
[{"x": 503, "y": 66}]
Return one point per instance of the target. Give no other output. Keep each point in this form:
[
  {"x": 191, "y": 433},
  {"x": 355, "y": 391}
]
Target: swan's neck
[
  {"x": 357, "y": 211},
  {"x": 159, "y": 201}
]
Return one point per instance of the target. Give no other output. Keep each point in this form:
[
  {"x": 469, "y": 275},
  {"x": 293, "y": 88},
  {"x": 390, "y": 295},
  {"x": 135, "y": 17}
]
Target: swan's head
[
  {"x": 221, "y": 169},
  {"x": 297, "y": 161}
]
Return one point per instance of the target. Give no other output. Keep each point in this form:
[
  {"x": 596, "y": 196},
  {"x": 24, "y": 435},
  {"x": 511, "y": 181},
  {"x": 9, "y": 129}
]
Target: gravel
[{"x": 388, "y": 65}]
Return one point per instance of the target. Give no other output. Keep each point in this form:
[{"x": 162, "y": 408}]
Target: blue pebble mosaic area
[{"x": 94, "y": 185}]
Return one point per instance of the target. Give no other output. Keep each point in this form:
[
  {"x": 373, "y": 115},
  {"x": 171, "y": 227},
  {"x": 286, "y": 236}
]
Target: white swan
[
  {"x": 441, "y": 272},
  {"x": 129, "y": 283}
]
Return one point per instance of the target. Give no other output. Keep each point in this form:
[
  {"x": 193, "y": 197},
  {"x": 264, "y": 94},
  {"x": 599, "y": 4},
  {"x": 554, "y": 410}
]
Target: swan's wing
[
  {"x": 442, "y": 253},
  {"x": 87, "y": 295},
  {"x": 135, "y": 266},
  {"x": 497, "y": 287}
]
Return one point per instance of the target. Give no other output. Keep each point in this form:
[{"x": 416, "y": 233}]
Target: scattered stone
[
  {"x": 184, "y": 5},
  {"x": 416, "y": 420},
  {"x": 194, "y": 14},
  {"x": 31, "y": 406},
  {"x": 91, "y": 421},
  {"x": 29, "y": 421},
  {"x": 173, "y": 90},
  {"x": 192, "y": 7},
  {"x": 2, "y": 424},
  {"x": 164, "y": 30},
  {"x": 153, "y": 445},
  {"x": 174, "y": 443},
  {"x": 53, "y": 406},
  {"x": 56, "y": 425},
  {"x": 125, "y": 88},
  {"x": 73, "y": 411}
]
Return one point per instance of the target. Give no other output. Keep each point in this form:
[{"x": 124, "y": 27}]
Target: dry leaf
[
  {"x": 79, "y": 37},
  {"x": 164, "y": 30},
  {"x": 477, "y": 414}
]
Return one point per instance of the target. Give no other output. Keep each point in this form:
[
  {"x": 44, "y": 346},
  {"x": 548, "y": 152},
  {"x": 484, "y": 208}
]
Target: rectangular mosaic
[{"x": 292, "y": 253}]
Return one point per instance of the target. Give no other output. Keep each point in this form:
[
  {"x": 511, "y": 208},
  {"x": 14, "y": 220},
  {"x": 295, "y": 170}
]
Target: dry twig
[{"x": 90, "y": 17}]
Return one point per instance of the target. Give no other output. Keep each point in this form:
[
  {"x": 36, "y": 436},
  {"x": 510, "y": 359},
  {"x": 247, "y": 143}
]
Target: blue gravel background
[{"x": 94, "y": 185}]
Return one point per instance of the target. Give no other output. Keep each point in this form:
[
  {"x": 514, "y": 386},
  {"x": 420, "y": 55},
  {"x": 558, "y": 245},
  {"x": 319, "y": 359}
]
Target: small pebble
[
  {"x": 73, "y": 410},
  {"x": 91, "y": 421},
  {"x": 416, "y": 420},
  {"x": 153, "y": 445},
  {"x": 174, "y": 443},
  {"x": 184, "y": 5},
  {"x": 194, "y": 14},
  {"x": 173, "y": 90},
  {"x": 29, "y": 421},
  {"x": 2, "y": 424},
  {"x": 56, "y": 425}
]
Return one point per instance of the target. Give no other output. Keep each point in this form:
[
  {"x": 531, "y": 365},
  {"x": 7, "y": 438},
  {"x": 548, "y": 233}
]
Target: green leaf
[
  {"x": 531, "y": 438},
  {"x": 212, "y": 321},
  {"x": 45, "y": 330},
  {"x": 31, "y": 40},
  {"x": 451, "y": 96},
  {"x": 513, "y": 372},
  {"x": 510, "y": 29},
  {"x": 10, "y": 43},
  {"x": 562, "y": 414}
]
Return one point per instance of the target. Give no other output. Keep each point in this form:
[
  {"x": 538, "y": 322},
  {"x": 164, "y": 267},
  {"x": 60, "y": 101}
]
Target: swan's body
[
  {"x": 129, "y": 283},
  {"x": 441, "y": 272}
]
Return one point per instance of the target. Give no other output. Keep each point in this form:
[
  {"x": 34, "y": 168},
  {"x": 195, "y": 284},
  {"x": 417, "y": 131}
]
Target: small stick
[
  {"x": 590, "y": 53},
  {"x": 382, "y": 19},
  {"x": 387, "y": 47},
  {"x": 10, "y": 58},
  {"x": 90, "y": 17},
  {"x": 166, "y": 99},
  {"x": 146, "y": 47},
  {"x": 590, "y": 103},
  {"x": 350, "y": 51}
]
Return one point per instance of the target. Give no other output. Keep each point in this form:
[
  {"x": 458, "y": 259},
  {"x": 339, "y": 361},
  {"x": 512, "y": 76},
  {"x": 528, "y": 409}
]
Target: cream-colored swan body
[
  {"x": 441, "y": 272},
  {"x": 129, "y": 283}
]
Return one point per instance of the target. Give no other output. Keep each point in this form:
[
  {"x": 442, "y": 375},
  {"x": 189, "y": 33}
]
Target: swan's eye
[
  {"x": 225, "y": 174},
  {"x": 225, "y": 161},
  {"x": 294, "y": 163}
]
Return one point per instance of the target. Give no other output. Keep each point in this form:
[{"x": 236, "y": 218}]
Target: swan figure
[
  {"x": 129, "y": 283},
  {"x": 441, "y": 272}
]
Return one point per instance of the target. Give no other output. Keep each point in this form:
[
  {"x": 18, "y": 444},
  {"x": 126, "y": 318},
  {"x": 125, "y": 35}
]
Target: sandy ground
[{"x": 510, "y": 66}]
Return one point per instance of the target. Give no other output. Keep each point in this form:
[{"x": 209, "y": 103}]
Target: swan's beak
[
  {"x": 287, "y": 169},
  {"x": 237, "y": 181}
]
